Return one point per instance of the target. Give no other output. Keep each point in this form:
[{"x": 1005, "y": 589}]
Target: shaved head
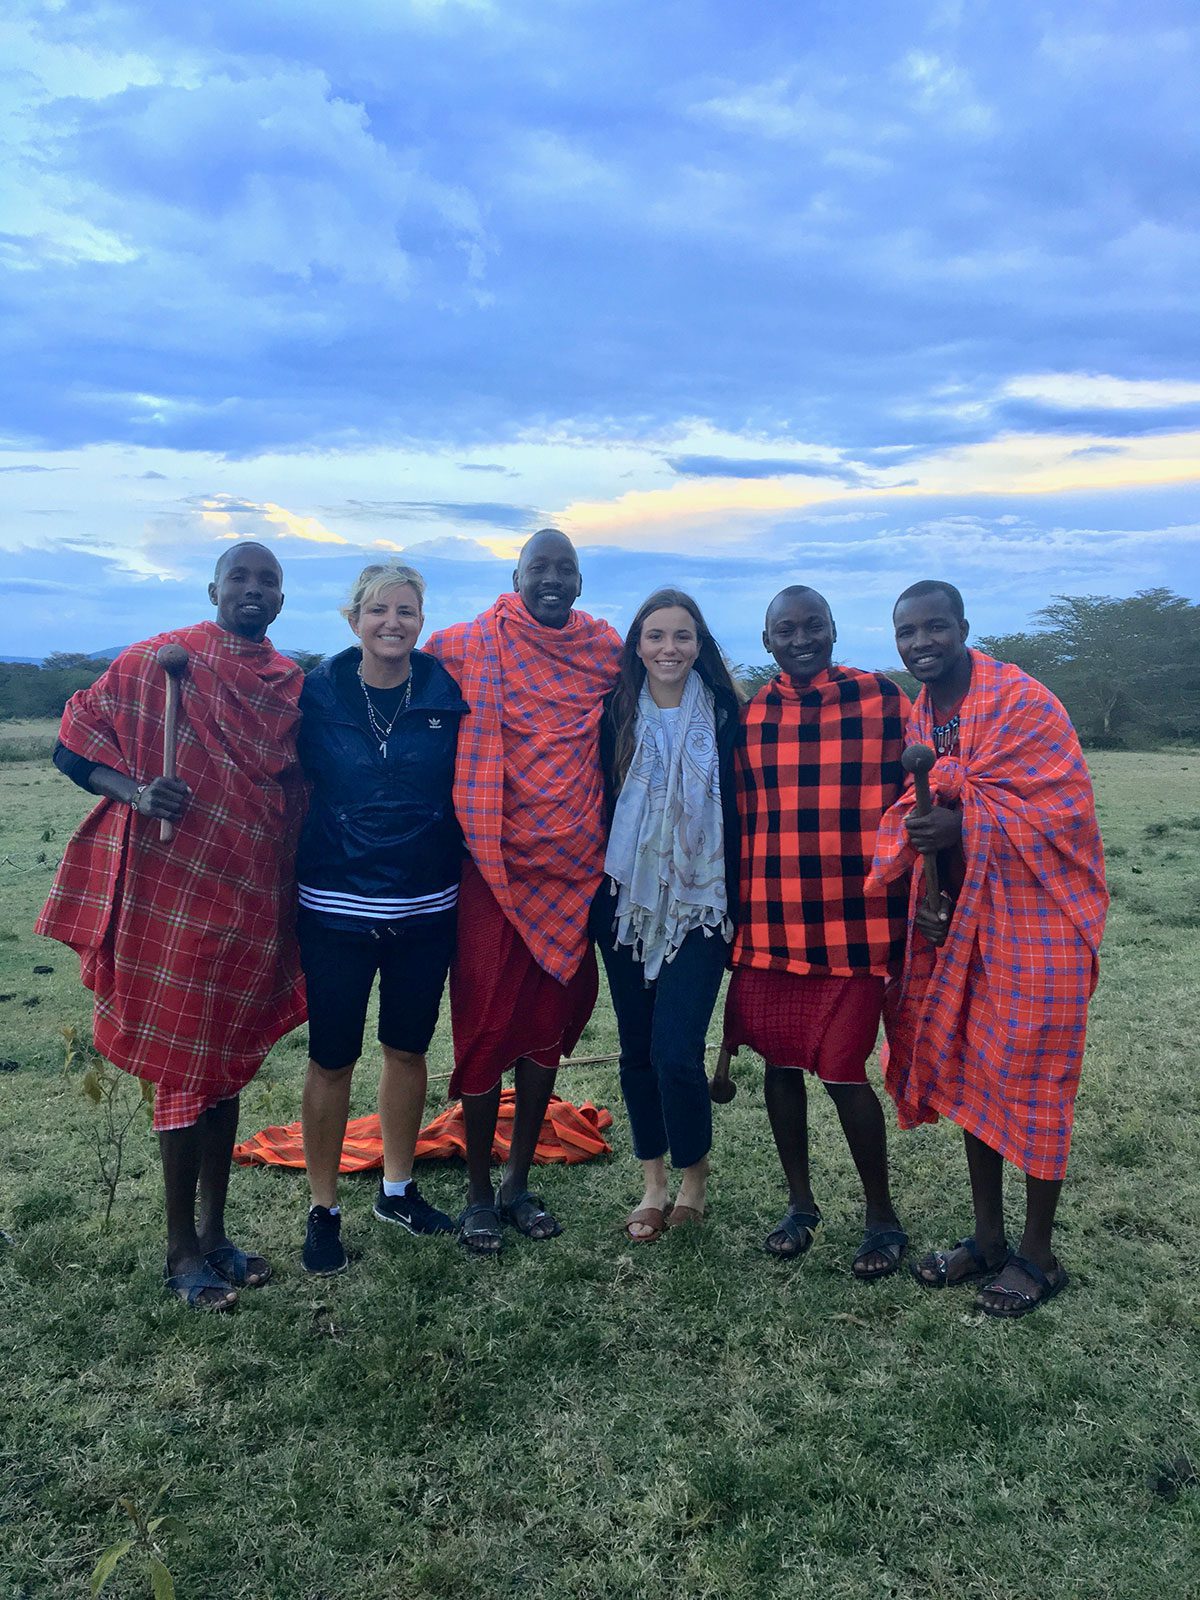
[
  {"x": 547, "y": 577},
  {"x": 798, "y": 591},
  {"x": 248, "y": 549}
]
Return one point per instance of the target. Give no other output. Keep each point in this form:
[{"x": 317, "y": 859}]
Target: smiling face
[
  {"x": 800, "y": 633},
  {"x": 932, "y": 641},
  {"x": 667, "y": 647},
  {"x": 247, "y": 590},
  {"x": 388, "y": 626},
  {"x": 547, "y": 578}
]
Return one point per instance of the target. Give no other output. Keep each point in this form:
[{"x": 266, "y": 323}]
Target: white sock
[
  {"x": 396, "y": 1185},
  {"x": 334, "y": 1211}
]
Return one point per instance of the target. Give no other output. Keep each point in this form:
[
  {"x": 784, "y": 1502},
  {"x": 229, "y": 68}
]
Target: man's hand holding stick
[{"x": 930, "y": 829}]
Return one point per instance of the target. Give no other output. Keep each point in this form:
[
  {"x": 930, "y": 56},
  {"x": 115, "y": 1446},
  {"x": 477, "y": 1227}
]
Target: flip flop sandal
[
  {"x": 237, "y": 1267},
  {"x": 799, "y": 1228},
  {"x": 525, "y": 1211},
  {"x": 682, "y": 1215},
  {"x": 189, "y": 1286},
  {"x": 1025, "y": 1302},
  {"x": 648, "y": 1217},
  {"x": 479, "y": 1228},
  {"x": 938, "y": 1261},
  {"x": 889, "y": 1242}
]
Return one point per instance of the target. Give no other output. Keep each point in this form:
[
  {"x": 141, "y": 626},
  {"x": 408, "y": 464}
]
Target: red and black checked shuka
[
  {"x": 989, "y": 1031},
  {"x": 529, "y": 796},
  {"x": 188, "y": 946},
  {"x": 818, "y": 765}
]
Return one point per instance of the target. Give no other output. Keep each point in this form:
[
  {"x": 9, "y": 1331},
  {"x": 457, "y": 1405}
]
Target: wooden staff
[
  {"x": 721, "y": 1087},
  {"x": 173, "y": 659},
  {"x": 918, "y": 760}
]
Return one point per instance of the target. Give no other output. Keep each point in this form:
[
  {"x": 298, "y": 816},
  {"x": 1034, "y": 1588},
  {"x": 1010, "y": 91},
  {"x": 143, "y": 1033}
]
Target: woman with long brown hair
[{"x": 664, "y": 915}]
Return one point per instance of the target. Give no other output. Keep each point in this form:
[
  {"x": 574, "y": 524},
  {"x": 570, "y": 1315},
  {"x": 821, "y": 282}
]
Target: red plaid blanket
[
  {"x": 527, "y": 786},
  {"x": 187, "y": 945},
  {"x": 818, "y": 765},
  {"x": 990, "y": 1030}
]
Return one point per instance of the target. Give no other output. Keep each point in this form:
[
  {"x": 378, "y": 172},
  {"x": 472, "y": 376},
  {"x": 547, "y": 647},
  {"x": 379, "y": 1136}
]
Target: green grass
[{"x": 590, "y": 1419}]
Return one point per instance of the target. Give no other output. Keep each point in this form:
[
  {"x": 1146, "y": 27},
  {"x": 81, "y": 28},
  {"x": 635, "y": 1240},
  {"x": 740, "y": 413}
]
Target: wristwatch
[{"x": 135, "y": 799}]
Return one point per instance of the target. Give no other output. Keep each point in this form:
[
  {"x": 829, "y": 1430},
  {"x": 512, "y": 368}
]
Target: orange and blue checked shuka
[
  {"x": 818, "y": 765},
  {"x": 188, "y": 946},
  {"x": 989, "y": 1031},
  {"x": 528, "y": 789}
]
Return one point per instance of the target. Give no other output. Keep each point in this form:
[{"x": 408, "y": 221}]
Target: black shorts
[{"x": 411, "y": 957}]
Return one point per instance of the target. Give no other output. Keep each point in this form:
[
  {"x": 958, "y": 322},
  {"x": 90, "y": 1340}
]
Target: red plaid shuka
[
  {"x": 818, "y": 765},
  {"x": 527, "y": 785},
  {"x": 990, "y": 1030},
  {"x": 188, "y": 945}
]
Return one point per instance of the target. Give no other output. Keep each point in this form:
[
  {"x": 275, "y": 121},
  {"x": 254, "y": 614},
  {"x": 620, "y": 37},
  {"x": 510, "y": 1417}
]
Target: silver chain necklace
[{"x": 382, "y": 733}]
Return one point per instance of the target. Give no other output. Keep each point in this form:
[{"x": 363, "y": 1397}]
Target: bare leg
[
  {"x": 786, "y": 1095},
  {"x": 1041, "y": 1203},
  {"x": 479, "y": 1119},
  {"x": 787, "y": 1108},
  {"x": 986, "y": 1169},
  {"x": 534, "y": 1087},
  {"x": 402, "y": 1087},
  {"x": 181, "y": 1150},
  {"x": 693, "y": 1185},
  {"x": 216, "y": 1157},
  {"x": 324, "y": 1110},
  {"x": 654, "y": 1194},
  {"x": 861, "y": 1117}
]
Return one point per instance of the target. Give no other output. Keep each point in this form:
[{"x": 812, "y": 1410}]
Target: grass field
[{"x": 589, "y": 1419}]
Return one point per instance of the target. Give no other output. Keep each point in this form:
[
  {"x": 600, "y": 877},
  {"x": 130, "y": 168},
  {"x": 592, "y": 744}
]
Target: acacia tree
[{"x": 1123, "y": 668}]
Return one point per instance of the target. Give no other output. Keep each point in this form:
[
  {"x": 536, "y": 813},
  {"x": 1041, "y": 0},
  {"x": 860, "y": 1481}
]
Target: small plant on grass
[
  {"x": 119, "y": 1101},
  {"x": 144, "y": 1546}
]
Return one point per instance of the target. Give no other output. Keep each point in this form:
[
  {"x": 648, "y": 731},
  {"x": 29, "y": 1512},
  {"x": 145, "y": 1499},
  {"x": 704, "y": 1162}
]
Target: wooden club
[
  {"x": 721, "y": 1087},
  {"x": 918, "y": 759},
  {"x": 173, "y": 659}
]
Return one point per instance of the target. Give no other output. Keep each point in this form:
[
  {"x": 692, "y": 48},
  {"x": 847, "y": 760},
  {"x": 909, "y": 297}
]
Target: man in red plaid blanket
[
  {"x": 991, "y": 1018},
  {"x": 818, "y": 766},
  {"x": 187, "y": 944},
  {"x": 529, "y": 796}
]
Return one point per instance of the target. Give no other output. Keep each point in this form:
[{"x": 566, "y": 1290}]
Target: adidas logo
[{"x": 435, "y": 722}]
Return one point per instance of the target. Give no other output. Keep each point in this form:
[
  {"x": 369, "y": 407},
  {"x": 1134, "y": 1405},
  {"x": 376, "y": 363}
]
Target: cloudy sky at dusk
[{"x": 738, "y": 296}]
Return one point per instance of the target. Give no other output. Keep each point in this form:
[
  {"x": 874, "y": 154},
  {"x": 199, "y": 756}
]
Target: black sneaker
[
  {"x": 323, "y": 1251},
  {"x": 411, "y": 1211}
]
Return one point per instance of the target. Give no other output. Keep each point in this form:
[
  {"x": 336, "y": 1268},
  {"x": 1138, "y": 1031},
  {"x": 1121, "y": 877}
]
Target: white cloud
[{"x": 1096, "y": 391}]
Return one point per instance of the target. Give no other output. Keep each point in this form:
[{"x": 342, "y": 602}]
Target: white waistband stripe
[{"x": 378, "y": 908}]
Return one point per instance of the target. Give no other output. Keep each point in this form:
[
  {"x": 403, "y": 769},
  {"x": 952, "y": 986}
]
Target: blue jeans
[{"x": 662, "y": 1030}]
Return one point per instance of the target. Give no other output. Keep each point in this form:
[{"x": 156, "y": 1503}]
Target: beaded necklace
[{"x": 383, "y": 733}]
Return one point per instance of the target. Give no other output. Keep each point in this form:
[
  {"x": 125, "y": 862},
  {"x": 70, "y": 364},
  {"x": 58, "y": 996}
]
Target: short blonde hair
[{"x": 372, "y": 581}]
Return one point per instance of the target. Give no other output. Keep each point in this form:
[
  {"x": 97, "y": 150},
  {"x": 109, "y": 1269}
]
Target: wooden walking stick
[
  {"x": 918, "y": 759},
  {"x": 721, "y": 1087},
  {"x": 173, "y": 659}
]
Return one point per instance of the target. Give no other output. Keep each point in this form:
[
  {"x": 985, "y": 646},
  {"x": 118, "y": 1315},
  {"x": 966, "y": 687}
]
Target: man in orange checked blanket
[
  {"x": 529, "y": 795},
  {"x": 187, "y": 943},
  {"x": 989, "y": 1024},
  {"x": 818, "y": 765}
]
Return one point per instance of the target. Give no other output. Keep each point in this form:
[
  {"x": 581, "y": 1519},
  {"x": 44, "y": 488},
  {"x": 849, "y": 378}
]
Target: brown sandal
[
  {"x": 647, "y": 1217},
  {"x": 682, "y": 1215}
]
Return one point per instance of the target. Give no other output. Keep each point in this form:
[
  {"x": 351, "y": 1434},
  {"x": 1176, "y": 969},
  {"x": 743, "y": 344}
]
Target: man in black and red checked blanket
[
  {"x": 818, "y": 766},
  {"x": 187, "y": 945}
]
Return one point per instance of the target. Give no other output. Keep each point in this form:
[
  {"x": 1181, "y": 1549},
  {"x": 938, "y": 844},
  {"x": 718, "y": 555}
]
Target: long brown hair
[{"x": 710, "y": 664}]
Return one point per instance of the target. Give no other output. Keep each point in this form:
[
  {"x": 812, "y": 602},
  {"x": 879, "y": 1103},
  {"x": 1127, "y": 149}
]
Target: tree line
[{"x": 1127, "y": 670}]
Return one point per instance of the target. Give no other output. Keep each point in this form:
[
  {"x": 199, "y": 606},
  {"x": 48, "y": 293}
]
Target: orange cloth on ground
[{"x": 570, "y": 1134}]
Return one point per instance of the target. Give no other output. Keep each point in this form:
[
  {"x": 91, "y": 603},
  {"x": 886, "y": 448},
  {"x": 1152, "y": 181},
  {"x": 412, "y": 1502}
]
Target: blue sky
[{"x": 739, "y": 296}]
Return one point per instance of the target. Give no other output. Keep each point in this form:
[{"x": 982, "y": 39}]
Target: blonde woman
[{"x": 378, "y": 870}]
